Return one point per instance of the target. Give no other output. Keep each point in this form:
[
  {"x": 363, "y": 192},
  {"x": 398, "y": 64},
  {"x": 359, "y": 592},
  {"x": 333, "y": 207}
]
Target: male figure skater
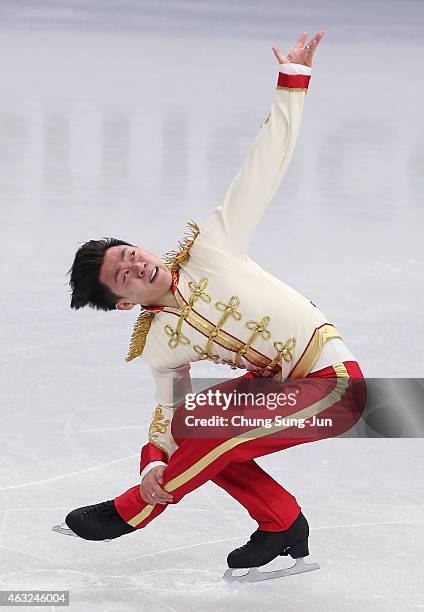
[{"x": 211, "y": 301}]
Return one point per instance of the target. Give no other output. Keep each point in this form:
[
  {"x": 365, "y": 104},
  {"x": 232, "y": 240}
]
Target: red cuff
[
  {"x": 149, "y": 453},
  {"x": 293, "y": 81}
]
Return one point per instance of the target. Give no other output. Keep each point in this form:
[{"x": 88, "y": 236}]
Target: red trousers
[{"x": 228, "y": 462}]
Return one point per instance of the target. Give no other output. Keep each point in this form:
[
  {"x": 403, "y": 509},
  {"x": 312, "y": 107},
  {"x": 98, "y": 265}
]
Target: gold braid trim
[
  {"x": 293, "y": 88},
  {"x": 173, "y": 260},
  {"x": 158, "y": 425}
]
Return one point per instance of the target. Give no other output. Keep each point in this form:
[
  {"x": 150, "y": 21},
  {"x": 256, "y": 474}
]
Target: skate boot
[
  {"x": 96, "y": 522},
  {"x": 264, "y": 546}
]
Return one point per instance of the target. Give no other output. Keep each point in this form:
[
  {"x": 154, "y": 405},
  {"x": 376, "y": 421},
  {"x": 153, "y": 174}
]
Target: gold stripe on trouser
[{"x": 323, "y": 404}]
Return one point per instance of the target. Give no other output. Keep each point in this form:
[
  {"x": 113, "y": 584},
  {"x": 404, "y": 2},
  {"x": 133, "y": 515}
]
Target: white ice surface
[{"x": 130, "y": 133}]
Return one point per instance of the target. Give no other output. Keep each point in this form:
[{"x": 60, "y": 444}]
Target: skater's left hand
[{"x": 300, "y": 54}]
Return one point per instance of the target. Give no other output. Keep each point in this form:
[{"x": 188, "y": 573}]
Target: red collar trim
[{"x": 175, "y": 279}]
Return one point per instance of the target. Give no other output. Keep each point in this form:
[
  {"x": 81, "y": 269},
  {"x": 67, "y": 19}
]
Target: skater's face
[{"x": 130, "y": 273}]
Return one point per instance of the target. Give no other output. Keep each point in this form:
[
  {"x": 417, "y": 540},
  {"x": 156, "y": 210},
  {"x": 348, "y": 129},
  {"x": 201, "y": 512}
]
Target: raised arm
[{"x": 232, "y": 223}]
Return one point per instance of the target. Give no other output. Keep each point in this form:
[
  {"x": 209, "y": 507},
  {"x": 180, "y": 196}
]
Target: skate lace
[
  {"x": 103, "y": 508},
  {"x": 253, "y": 538}
]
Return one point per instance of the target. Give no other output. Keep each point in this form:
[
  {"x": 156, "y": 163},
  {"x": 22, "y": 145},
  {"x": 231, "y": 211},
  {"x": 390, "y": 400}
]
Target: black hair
[{"x": 85, "y": 271}]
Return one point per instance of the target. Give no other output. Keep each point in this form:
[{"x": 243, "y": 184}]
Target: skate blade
[
  {"x": 64, "y": 530},
  {"x": 254, "y": 575}
]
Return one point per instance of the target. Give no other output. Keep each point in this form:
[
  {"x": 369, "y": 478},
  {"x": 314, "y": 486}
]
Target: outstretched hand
[{"x": 300, "y": 54}]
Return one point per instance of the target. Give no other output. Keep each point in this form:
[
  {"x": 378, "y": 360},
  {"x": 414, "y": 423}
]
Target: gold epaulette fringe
[
  {"x": 139, "y": 335},
  {"x": 173, "y": 260}
]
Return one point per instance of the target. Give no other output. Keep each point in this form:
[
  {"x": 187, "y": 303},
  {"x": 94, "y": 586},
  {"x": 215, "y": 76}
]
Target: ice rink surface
[{"x": 127, "y": 119}]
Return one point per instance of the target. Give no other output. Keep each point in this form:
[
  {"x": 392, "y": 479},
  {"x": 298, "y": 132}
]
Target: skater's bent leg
[
  {"x": 198, "y": 460},
  {"x": 193, "y": 463},
  {"x": 267, "y": 502}
]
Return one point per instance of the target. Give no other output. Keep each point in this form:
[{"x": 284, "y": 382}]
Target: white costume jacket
[{"x": 231, "y": 311}]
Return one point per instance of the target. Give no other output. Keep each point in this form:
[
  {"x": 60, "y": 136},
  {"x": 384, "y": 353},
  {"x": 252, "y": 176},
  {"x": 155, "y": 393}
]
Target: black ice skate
[
  {"x": 264, "y": 546},
  {"x": 96, "y": 522}
]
